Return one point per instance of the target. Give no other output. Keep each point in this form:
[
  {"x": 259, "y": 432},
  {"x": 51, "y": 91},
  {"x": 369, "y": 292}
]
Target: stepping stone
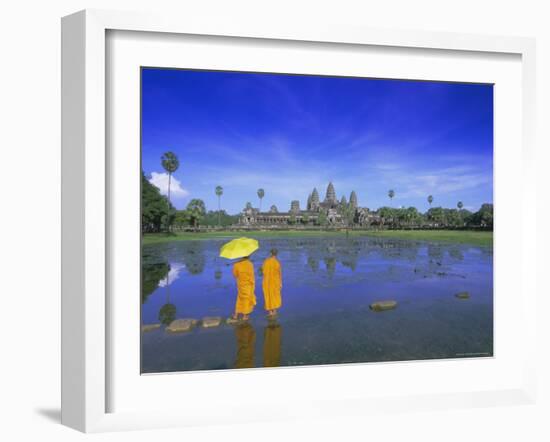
[
  {"x": 149, "y": 327},
  {"x": 181, "y": 325},
  {"x": 211, "y": 321},
  {"x": 380, "y": 306},
  {"x": 231, "y": 321},
  {"x": 463, "y": 295}
]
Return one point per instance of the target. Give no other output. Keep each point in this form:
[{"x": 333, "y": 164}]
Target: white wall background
[{"x": 30, "y": 214}]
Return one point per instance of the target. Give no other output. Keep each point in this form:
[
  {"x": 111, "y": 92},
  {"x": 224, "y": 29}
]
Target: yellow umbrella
[{"x": 239, "y": 248}]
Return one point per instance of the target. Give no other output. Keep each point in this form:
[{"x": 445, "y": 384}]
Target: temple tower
[
  {"x": 295, "y": 206},
  {"x": 273, "y": 209},
  {"x": 314, "y": 200},
  {"x": 353, "y": 200},
  {"x": 331, "y": 194}
]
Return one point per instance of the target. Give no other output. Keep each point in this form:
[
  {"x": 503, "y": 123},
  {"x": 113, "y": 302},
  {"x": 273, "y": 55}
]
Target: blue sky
[{"x": 288, "y": 134}]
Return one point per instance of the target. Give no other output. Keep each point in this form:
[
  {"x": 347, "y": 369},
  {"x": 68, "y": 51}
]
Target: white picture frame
[{"x": 85, "y": 202}]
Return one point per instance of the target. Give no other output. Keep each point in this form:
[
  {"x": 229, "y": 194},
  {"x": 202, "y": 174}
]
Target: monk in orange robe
[
  {"x": 272, "y": 283},
  {"x": 243, "y": 271}
]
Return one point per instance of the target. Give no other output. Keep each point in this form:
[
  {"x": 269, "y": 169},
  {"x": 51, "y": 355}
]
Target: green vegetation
[
  {"x": 219, "y": 219},
  {"x": 322, "y": 220},
  {"x": 167, "y": 314},
  {"x": 195, "y": 211},
  {"x": 156, "y": 212},
  {"x": 151, "y": 274},
  {"x": 455, "y": 236},
  {"x": 437, "y": 217},
  {"x": 154, "y": 238}
]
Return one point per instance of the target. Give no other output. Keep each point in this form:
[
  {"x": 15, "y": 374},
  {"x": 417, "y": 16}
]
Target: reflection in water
[
  {"x": 167, "y": 314},
  {"x": 313, "y": 263},
  {"x": 168, "y": 311},
  {"x": 173, "y": 274},
  {"x": 456, "y": 253},
  {"x": 246, "y": 340},
  {"x": 326, "y": 281},
  {"x": 151, "y": 275},
  {"x": 193, "y": 257},
  {"x": 434, "y": 251},
  {"x": 350, "y": 260},
  {"x": 330, "y": 265},
  {"x": 272, "y": 344}
]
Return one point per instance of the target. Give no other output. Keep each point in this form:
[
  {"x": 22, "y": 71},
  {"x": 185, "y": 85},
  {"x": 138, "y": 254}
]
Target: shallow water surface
[{"x": 328, "y": 285}]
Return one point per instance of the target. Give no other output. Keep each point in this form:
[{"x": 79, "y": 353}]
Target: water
[{"x": 328, "y": 285}]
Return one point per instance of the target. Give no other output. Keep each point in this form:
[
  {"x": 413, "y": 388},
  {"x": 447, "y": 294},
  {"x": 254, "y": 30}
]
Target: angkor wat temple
[{"x": 330, "y": 211}]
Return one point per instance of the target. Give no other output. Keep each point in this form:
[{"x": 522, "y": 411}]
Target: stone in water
[
  {"x": 181, "y": 325},
  {"x": 211, "y": 321},
  {"x": 149, "y": 327},
  {"x": 380, "y": 306},
  {"x": 463, "y": 295}
]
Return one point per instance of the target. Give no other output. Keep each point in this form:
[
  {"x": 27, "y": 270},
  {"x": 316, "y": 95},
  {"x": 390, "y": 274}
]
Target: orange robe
[
  {"x": 243, "y": 271},
  {"x": 272, "y": 283}
]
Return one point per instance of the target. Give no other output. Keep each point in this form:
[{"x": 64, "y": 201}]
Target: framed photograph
[{"x": 254, "y": 208}]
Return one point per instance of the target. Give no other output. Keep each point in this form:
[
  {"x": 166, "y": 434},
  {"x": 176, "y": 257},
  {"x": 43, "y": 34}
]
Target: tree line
[
  {"x": 436, "y": 217},
  {"x": 158, "y": 214}
]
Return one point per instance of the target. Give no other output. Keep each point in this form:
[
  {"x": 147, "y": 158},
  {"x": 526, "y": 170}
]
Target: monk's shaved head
[{"x": 274, "y": 252}]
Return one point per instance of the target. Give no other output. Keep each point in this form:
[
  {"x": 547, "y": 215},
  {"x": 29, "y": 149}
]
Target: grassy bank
[
  {"x": 154, "y": 238},
  {"x": 453, "y": 236}
]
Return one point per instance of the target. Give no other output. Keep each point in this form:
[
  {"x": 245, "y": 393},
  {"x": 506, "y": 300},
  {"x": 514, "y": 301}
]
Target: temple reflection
[{"x": 194, "y": 258}]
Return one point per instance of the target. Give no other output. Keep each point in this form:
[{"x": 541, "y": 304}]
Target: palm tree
[
  {"x": 430, "y": 200},
  {"x": 219, "y": 193},
  {"x": 261, "y": 194},
  {"x": 196, "y": 210},
  {"x": 391, "y": 194},
  {"x": 170, "y": 163},
  {"x": 460, "y": 214}
]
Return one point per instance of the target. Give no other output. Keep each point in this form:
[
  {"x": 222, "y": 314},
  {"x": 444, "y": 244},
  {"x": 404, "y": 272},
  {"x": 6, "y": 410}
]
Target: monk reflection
[
  {"x": 272, "y": 344},
  {"x": 246, "y": 340}
]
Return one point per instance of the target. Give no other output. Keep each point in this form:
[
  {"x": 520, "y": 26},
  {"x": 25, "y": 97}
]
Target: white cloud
[
  {"x": 414, "y": 182},
  {"x": 173, "y": 274},
  {"x": 160, "y": 180}
]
